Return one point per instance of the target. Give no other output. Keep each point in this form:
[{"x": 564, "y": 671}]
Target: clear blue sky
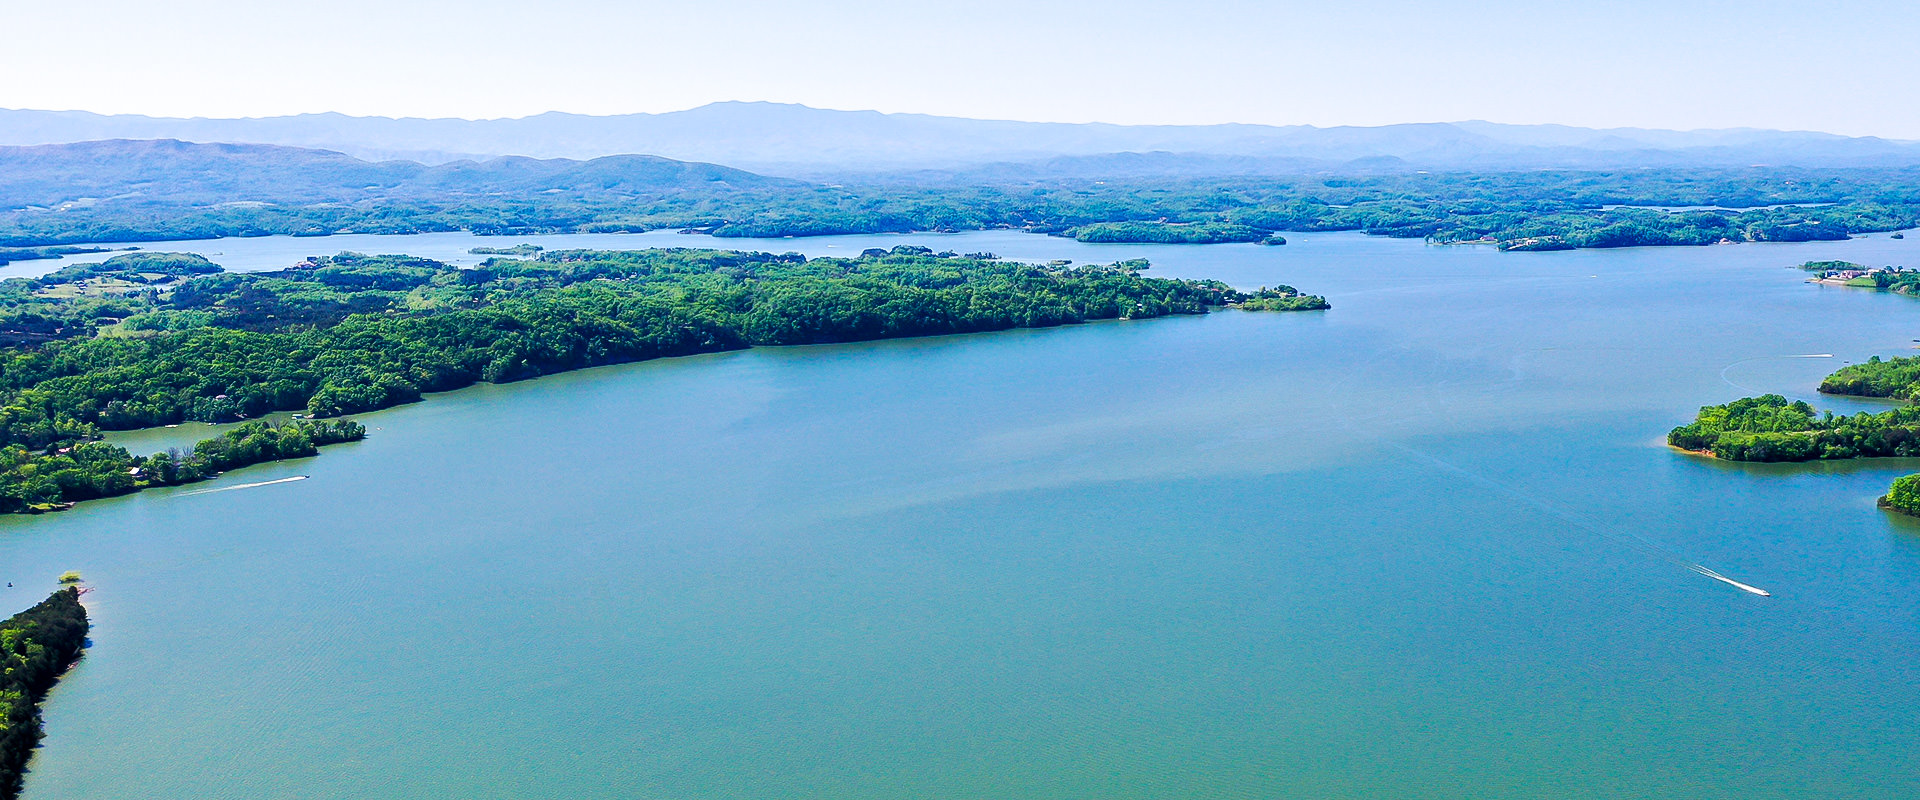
[{"x": 1846, "y": 66}]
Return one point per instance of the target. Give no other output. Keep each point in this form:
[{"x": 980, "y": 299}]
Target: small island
[
  {"x": 36, "y": 647},
  {"x": 1282, "y": 298},
  {"x": 1172, "y": 233},
  {"x": 1773, "y": 428},
  {"x": 1903, "y": 496},
  {"x": 523, "y": 250}
]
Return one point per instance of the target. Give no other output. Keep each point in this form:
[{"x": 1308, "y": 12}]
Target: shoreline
[{"x": 130, "y": 241}]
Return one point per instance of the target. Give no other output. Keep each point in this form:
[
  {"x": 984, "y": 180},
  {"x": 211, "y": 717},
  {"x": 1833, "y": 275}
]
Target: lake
[{"x": 1428, "y": 544}]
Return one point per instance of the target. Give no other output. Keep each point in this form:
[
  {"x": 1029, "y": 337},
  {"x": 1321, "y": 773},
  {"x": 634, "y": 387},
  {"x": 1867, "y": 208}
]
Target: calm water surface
[{"x": 1424, "y": 545}]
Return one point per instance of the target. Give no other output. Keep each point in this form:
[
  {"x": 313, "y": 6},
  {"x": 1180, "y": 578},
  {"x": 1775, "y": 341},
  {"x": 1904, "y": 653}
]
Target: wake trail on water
[
  {"x": 1628, "y": 540},
  {"x": 1731, "y": 582},
  {"x": 1631, "y": 541},
  {"x": 1743, "y": 387},
  {"x": 245, "y": 486}
]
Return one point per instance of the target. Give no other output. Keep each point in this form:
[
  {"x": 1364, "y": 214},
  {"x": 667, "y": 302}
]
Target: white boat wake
[
  {"x": 1629, "y": 540},
  {"x": 1729, "y": 581},
  {"x": 1624, "y": 538},
  {"x": 246, "y": 486}
]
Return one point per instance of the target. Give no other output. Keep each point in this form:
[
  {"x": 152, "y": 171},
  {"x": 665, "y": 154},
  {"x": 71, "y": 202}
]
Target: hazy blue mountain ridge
[
  {"x": 191, "y": 173},
  {"x": 800, "y": 141}
]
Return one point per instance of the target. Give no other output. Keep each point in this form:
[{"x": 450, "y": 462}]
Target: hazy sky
[{"x": 1846, "y": 66}]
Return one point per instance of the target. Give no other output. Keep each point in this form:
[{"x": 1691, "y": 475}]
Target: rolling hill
[{"x": 797, "y": 140}]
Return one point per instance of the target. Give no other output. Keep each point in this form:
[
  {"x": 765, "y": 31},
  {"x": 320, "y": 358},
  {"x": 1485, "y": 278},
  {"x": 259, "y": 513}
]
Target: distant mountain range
[
  {"x": 807, "y": 142},
  {"x": 189, "y": 173}
]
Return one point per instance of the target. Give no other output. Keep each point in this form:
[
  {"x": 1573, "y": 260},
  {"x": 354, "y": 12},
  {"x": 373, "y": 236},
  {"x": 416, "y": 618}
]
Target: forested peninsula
[
  {"x": 36, "y": 647},
  {"x": 172, "y": 338},
  {"x": 67, "y": 471},
  {"x": 9, "y": 255}
]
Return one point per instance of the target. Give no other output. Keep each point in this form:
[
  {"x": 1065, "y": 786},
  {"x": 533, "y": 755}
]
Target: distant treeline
[
  {"x": 1547, "y": 210},
  {"x": 9, "y": 255},
  {"x": 36, "y": 646}
]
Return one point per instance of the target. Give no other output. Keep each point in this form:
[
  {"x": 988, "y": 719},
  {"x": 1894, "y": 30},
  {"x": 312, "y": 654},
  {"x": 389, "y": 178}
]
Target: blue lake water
[{"x": 1426, "y": 545}]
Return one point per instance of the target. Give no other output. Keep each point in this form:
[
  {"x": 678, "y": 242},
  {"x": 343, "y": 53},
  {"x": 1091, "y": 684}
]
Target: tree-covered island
[
  {"x": 1773, "y": 428},
  {"x": 154, "y": 339},
  {"x": 1161, "y": 232}
]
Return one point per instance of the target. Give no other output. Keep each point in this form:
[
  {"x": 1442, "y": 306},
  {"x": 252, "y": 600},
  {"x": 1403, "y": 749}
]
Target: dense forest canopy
[
  {"x": 1898, "y": 378},
  {"x": 36, "y": 646},
  {"x": 1904, "y": 495},
  {"x": 1543, "y": 210},
  {"x": 1773, "y": 428}
]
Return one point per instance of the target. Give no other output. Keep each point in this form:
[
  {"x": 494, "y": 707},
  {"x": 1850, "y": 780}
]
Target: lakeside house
[{"x": 1858, "y": 277}]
